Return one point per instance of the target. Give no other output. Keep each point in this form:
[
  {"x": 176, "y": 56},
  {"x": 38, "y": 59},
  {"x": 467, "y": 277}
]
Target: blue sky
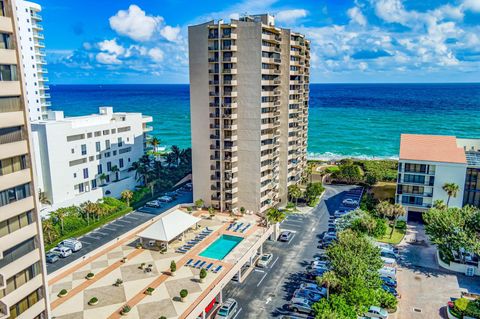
[{"x": 145, "y": 41}]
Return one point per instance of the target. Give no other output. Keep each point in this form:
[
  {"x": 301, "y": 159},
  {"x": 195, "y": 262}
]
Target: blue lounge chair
[
  {"x": 245, "y": 228},
  {"x": 201, "y": 264},
  {"x": 189, "y": 262},
  {"x": 238, "y": 226},
  {"x": 196, "y": 263},
  {"x": 217, "y": 269},
  {"x": 210, "y": 265},
  {"x": 181, "y": 250}
]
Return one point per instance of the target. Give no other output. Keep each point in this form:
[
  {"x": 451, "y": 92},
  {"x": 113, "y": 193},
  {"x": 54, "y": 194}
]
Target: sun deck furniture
[
  {"x": 231, "y": 226},
  {"x": 181, "y": 250},
  {"x": 189, "y": 262},
  {"x": 210, "y": 265},
  {"x": 201, "y": 264},
  {"x": 197, "y": 263},
  {"x": 217, "y": 269},
  {"x": 245, "y": 228},
  {"x": 238, "y": 226}
]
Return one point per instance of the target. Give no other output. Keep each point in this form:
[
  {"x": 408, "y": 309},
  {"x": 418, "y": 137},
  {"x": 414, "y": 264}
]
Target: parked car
[
  {"x": 387, "y": 247},
  {"x": 314, "y": 287},
  {"x": 388, "y": 261},
  {"x": 62, "y": 251},
  {"x": 318, "y": 265},
  {"x": 165, "y": 199},
  {"x": 349, "y": 202},
  {"x": 307, "y": 294},
  {"x": 391, "y": 290},
  {"x": 389, "y": 281},
  {"x": 340, "y": 213},
  {"x": 389, "y": 272},
  {"x": 228, "y": 309},
  {"x": 154, "y": 204},
  {"x": 72, "y": 243},
  {"x": 171, "y": 194},
  {"x": 51, "y": 258},
  {"x": 376, "y": 312},
  {"x": 317, "y": 272},
  {"x": 264, "y": 260},
  {"x": 300, "y": 305},
  {"x": 388, "y": 254},
  {"x": 285, "y": 236}
]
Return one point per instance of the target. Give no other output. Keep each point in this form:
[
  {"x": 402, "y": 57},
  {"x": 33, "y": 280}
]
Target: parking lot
[
  {"x": 266, "y": 292},
  {"x": 114, "y": 229}
]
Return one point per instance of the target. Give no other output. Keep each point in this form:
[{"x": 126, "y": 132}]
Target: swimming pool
[{"x": 221, "y": 247}]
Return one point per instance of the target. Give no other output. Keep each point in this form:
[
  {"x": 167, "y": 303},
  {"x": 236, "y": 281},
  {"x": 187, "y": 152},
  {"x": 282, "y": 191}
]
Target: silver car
[{"x": 228, "y": 309}]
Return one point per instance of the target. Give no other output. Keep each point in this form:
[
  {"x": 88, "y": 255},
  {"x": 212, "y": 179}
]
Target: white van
[
  {"x": 62, "y": 251},
  {"x": 73, "y": 244}
]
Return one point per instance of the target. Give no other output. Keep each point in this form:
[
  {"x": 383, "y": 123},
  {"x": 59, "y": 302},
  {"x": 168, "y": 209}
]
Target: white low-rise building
[
  {"x": 85, "y": 158},
  {"x": 427, "y": 163}
]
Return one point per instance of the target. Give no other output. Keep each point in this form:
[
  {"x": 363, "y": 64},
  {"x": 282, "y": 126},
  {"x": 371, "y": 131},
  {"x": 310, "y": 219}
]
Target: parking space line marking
[
  {"x": 108, "y": 228},
  {"x": 273, "y": 264},
  {"x": 291, "y": 238},
  {"x": 100, "y": 233},
  {"x": 262, "y": 279},
  {"x": 237, "y": 313},
  {"x": 259, "y": 270},
  {"x": 90, "y": 236}
]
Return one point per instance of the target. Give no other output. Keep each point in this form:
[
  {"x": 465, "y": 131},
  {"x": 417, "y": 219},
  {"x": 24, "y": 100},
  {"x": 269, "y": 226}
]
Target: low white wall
[{"x": 456, "y": 267}]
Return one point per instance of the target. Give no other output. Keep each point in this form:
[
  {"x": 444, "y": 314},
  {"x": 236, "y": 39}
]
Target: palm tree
[
  {"x": 115, "y": 170},
  {"x": 275, "y": 216},
  {"x": 90, "y": 208},
  {"x": 328, "y": 279},
  {"x": 49, "y": 230},
  {"x": 396, "y": 212},
  {"x": 154, "y": 142},
  {"x": 135, "y": 167},
  {"x": 383, "y": 208},
  {"x": 175, "y": 150},
  {"x": 294, "y": 192},
  {"x": 127, "y": 196},
  {"x": 59, "y": 215},
  {"x": 170, "y": 159},
  {"x": 102, "y": 177},
  {"x": 151, "y": 185},
  {"x": 439, "y": 204},
  {"x": 451, "y": 189}
]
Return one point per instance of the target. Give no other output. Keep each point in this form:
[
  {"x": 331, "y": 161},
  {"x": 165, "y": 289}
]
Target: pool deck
[{"x": 107, "y": 265}]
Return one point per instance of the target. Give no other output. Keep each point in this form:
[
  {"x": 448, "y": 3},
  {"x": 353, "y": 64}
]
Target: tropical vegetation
[
  {"x": 367, "y": 172},
  {"x": 74, "y": 221},
  {"x": 353, "y": 282}
]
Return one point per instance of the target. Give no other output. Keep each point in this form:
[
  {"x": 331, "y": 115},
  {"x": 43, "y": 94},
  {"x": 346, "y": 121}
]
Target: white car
[
  {"x": 376, "y": 312},
  {"x": 389, "y": 272},
  {"x": 349, "y": 202},
  {"x": 264, "y": 260},
  {"x": 388, "y": 261},
  {"x": 154, "y": 204},
  {"x": 165, "y": 199},
  {"x": 62, "y": 251}
]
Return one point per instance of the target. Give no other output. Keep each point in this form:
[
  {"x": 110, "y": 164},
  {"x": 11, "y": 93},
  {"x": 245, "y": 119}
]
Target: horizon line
[{"x": 328, "y": 83}]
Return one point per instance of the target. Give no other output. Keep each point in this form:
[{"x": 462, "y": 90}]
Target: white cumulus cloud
[
  {"x": 135, "y": 23},
  {"x": 289, "y": 16},
  {"x": 473, "y": 5},
  {"x": 156, "y": 54},
  {"x": 111, "y": 46},
  {"x": 170, "y": 33},
  {"x": 106, "y": 58},
  {"x": 356, "y": 16}
]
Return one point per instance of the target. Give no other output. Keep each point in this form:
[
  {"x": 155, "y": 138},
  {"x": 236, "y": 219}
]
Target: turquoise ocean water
[{"x": 361, "y": 120}]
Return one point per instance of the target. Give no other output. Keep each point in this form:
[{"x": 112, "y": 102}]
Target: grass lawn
[
  {"x": 383, "y": 190},
  {"x": 397, "y": 236}
]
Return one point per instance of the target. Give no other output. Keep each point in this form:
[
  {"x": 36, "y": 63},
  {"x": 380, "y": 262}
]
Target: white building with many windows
[
  {"x": 426, "y": 163},
  {"x": 32, "y": 49},
  {"x": 84, "y": 158}
]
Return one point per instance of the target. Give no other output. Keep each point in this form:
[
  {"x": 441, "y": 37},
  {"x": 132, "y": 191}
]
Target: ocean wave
[{"x": 328, "y": 156}]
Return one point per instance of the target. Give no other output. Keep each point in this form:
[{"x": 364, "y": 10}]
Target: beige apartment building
[
  {"x": 249, "y": 91},
  {"x": 22, "y": 280}
]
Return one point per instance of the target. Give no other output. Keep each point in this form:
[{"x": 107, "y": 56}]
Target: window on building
[
  {"x": 114, "y": 153},
  {"x": 120, "y": 143},
  {"x": 6, "y": 41},
  {"x": 99, "y": 168},
  {"x": 10, "y": 104},
  {"x": 24, "y": 304},
  {"x": 81, "y": 188},
  {"x": 14, "y": 194},
  {"x": 97, "y": 146},
  {"x": 8, "y": 72},
  {"x": 13, "y": 164},
  {"x": 84, "y": 149},
  {"x": 120, "y": 162},
  {"x": 109, "y": 166},
  {"x": 106, "y": 132},
  {"x": 12, "y": 224},
  {"x": 97, "y": 133},
  {"x": 89, "y": 135},
  {"x": 107, "y": 144},
  {"x": 85, "y": 173}
]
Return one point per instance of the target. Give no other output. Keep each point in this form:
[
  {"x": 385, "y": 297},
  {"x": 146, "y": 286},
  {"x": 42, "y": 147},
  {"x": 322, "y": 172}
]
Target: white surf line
[
  {"x": 260, "y": 282},
  {"x": 273, "y": 264},
  {"x": 237, "y": 313}
]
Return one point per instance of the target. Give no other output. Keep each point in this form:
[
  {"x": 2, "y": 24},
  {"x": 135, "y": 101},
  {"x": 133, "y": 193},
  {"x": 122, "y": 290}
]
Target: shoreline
[{"x": 336, "y": 157}]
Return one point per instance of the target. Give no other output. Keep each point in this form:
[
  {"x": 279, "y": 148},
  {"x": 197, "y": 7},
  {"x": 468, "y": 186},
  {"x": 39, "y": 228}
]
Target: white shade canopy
[{"x": 170, "y": 226}]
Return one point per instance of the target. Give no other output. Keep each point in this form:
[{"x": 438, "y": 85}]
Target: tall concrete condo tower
[
  {"x": 249, "y": 86},
  {"x": 32, "y": 47},
  {"x": 22, "y": 268}
]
